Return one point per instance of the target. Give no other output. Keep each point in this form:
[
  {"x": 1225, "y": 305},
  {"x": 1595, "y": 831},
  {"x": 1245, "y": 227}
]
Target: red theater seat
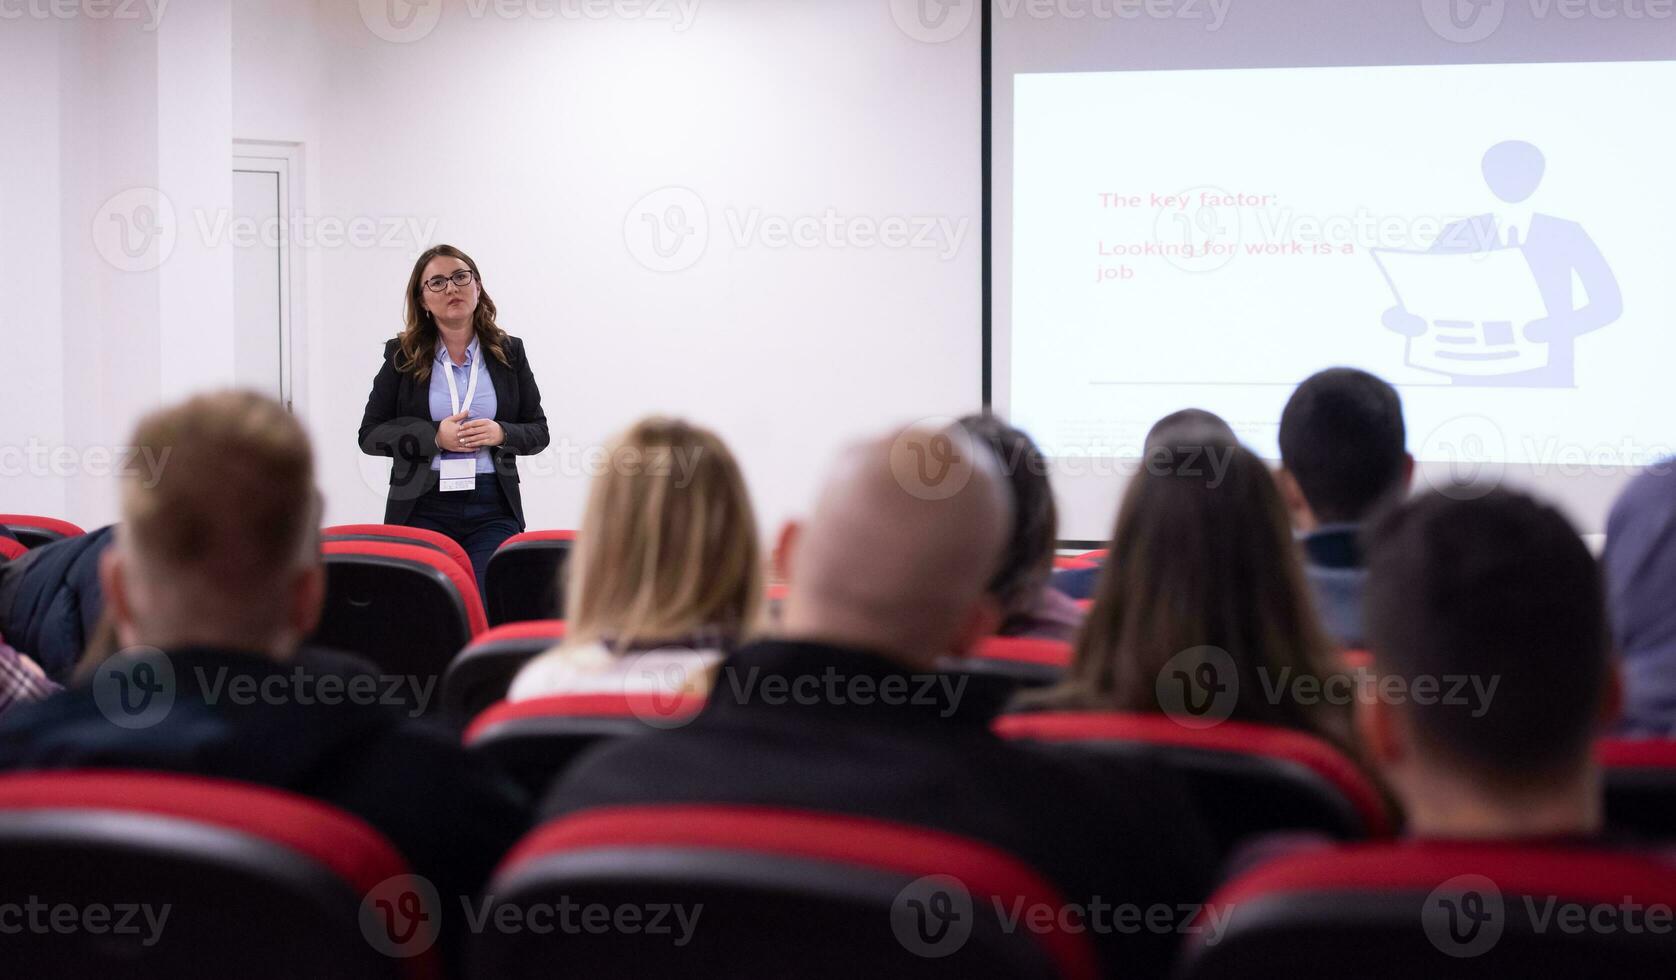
[
  {"x": 10, "y": 549},
  {"x": 1439, "y": 910},
  {"x": 782, "y": 892},
  {"x": 1247, "y": 779},
  {"x": 1097, "y": 555},
  {"x": 256, "y": 882},
  {"x": 35, "y": 531},
  {"x": 1002, "y": 664},
  {"x": 535, "y": 740},
  {"x": 1071, "y": 562},
  {"x": 481, "y": 673},
  {"x": 523, "y": 580},
  {"x": 406, "y": 607},
  {"x": 399, "y": 534},
  {"x": 1640, "y": 786}
]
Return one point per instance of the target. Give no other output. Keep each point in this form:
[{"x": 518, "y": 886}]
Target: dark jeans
[{"x": 479, "y": 519}]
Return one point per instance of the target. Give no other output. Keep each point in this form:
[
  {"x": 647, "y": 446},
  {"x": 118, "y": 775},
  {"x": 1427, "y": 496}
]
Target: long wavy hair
[
  {"x": 1200, "y": 562},
  {"x": 417, "y": 342}
]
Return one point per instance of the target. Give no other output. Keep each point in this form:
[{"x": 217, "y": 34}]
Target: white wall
[
  {"x": 31, "y": 402},
  {"x": 528, "y": 143},
  {"x": 116, "y": 120}
]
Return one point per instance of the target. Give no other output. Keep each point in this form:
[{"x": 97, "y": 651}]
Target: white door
[{"x": 262, "y": 288}]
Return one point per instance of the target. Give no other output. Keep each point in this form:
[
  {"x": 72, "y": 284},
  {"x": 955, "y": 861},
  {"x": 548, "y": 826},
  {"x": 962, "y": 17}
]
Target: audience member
[
  {"x": 21, "y": 680},
  {"x": 50, "y": 600},
  {"x": 1500, "y": 591},
  {"x": 833, "y": 715},
  {"x": 1029, "y": 605},
  {"x": 1187, "y": 426},
  {"x": 666, "y": 577},
  {"x": 1640, "y": 566},
  {"x": 213, "y": 579},
  {"x": 1205, "y": 585},
  {"x": 1342, "y": 456}
]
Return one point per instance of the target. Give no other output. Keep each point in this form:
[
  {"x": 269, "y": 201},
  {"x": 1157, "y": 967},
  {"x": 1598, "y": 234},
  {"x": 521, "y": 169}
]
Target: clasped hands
[{"x": 457, "y": 435}]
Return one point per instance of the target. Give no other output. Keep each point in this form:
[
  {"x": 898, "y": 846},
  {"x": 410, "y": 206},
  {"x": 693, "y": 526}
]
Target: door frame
[{"x": 285, "y": 159}]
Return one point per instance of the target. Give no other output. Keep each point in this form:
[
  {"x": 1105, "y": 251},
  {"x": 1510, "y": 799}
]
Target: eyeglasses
[{"x": 462, "y": 279}]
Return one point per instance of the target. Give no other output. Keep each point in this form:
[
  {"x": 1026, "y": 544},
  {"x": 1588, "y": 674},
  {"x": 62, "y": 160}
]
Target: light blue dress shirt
[{"x": 483, "y": 403}]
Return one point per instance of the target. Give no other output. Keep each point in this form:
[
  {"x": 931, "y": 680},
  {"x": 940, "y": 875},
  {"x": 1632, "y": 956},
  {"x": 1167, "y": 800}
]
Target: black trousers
[{"x": 479, "y": 519}]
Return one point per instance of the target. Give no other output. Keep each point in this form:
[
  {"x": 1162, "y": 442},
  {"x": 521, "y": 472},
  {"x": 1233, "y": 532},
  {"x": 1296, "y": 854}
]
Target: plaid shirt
[{"x": 20, "y": 682}]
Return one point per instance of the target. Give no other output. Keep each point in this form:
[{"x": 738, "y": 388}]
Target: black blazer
[{"x": 398, "y": 423}]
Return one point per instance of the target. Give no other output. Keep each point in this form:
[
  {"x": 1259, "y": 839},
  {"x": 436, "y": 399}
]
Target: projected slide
[{"x": 1496, "y": 240}]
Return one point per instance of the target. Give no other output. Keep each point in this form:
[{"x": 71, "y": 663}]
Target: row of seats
[
  {"x": 1248, "y": 779},
  {"x": 522, "y": 578},
  {"x": 749, "y": 891},
  {"x": 407, "y": 599}
]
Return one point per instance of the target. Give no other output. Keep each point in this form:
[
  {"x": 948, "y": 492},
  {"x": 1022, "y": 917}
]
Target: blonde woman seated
[{"x": 666, "y": 578}]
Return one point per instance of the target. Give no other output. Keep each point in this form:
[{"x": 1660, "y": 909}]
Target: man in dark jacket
[
  {"x": 1343, "y": 456},
  {"x": 847, "y": 713},
  {"x": 212, "y": 581},
  {"x": 50, "y": 600}
]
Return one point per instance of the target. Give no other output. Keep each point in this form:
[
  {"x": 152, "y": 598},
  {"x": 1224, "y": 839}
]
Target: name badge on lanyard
[{"x": 461, "y": 474}]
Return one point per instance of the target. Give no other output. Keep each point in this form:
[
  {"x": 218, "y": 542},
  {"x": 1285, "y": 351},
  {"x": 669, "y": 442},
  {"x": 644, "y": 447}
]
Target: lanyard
[{"x": 471, "y": 389}]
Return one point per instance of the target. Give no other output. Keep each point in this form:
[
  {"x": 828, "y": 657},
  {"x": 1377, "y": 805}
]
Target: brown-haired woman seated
[
  {"x": 667, "y": 575},
  {"x": 1204, "y": 603}
]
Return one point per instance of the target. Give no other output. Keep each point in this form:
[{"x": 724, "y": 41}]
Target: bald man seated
[{"x": 844, "y": 710}]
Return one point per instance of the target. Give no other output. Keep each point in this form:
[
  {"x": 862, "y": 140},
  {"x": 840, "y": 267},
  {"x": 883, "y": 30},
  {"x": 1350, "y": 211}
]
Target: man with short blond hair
[{"x": 213, "y": 583}]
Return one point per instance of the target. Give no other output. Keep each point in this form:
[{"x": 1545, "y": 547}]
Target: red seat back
[
  {"x": 1640, "y": 786},
  {"x": 783, "y": 892},
  {"x": 1072, "y": 563},
  {"x": 401, "y": 534},
  {"x": 257, "y": 882},
  {"x": 1450, "y": 910},
  {"x": 480, "y": 675},
  {"x": 534, "y": 740},
  {"x": 1248, "y": 779},
  {"x": 406, "y": 607},
  {"x": 525, "y": 575},
  {"x": 1000, "y": 665},
  {"x": 33, "y": 530}
]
